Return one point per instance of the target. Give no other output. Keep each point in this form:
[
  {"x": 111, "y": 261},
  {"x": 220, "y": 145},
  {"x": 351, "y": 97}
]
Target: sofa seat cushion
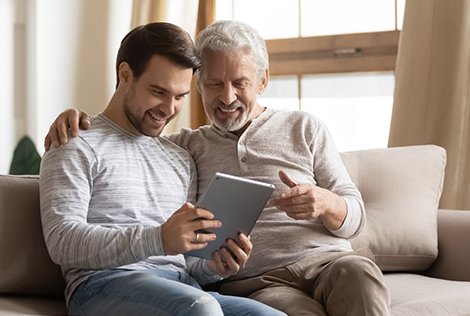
[
  {"x": 414, "y": 294},
  {"x": 20, "y": 305},
  {"x": 401, "y": 188}
]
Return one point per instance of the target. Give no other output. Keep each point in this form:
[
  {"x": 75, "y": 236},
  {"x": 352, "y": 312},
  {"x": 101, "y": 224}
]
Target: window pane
[
  {"x": 400, "y": 13},
  {"x": 272, "y": 19},
  {"x": 282, "y": 93},
  {"x": 356, "y": 108},
  {"x": 223, "y": 9},
  {"x": 320, "y": 17}
]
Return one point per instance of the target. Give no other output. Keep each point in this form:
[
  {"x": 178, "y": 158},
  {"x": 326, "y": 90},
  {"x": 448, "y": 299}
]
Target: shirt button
[{"x": 243, "y": 159}]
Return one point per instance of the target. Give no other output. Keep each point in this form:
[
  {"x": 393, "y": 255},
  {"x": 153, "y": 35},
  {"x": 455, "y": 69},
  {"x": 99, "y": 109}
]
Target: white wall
[
  {"x": 57, "y": 26},
  {"x": 76, "y": 50},
  {"x": 7, "y": 135},
  {"x": 59, "y": 54}
]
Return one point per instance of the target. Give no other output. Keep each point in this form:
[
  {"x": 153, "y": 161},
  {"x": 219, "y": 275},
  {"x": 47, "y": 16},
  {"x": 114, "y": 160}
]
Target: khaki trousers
[{"x": 333, "y": 283}]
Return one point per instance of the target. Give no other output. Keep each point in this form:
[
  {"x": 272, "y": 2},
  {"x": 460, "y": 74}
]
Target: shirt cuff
[
  {"x": 208, "y": 274},
  {"x": 351, "y": 222}
]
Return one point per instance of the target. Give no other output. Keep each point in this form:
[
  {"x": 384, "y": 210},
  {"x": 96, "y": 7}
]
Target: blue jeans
[{"x": 156, "y": 292}]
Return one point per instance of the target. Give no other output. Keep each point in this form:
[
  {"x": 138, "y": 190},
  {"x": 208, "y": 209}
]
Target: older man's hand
[
  {"x": 304, "y": 201},
  {"x": 69, "y": 119}
]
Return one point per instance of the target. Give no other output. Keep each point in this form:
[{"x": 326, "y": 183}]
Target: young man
[
  {"x": 302, "y": 262},
  {"x": 115, "y": 202}
]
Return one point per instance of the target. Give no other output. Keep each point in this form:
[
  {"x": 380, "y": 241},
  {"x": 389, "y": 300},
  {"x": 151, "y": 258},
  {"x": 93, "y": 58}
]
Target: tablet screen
[{"x": 237, "y": 203}]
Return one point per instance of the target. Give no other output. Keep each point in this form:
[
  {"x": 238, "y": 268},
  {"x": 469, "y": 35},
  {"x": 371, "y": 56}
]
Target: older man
[{"x": 302, "y": 262}]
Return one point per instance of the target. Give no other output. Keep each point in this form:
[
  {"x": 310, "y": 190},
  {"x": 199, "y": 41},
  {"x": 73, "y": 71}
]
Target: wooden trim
[{"x": 333, "y": 54}]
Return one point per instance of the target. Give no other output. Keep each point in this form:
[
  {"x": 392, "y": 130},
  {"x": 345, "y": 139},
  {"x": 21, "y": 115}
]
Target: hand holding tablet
[{"x": 237, "y": 203}]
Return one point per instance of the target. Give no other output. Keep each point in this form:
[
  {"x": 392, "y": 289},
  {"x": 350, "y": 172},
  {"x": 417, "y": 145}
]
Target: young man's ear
[{"x": 126, "y": 76}]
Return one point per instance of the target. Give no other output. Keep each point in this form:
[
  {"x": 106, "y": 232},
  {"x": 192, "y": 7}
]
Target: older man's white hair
[{"x": 230, "y": 37}]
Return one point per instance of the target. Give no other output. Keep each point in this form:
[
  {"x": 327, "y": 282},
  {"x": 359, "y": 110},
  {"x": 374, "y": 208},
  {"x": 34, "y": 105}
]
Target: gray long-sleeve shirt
[
  {"x": 104, "y": 197},
  {"x": 293, "y": 141}
]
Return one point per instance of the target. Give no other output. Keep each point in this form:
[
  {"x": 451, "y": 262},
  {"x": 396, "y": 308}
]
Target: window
[
  {"x": 356, "y": 108},
  {"x": 332, "y": 58},
  {"x": 294, "y": 18}
]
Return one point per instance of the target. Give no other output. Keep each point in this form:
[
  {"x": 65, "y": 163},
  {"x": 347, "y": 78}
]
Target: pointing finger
[{"x": 287, "y": 180}]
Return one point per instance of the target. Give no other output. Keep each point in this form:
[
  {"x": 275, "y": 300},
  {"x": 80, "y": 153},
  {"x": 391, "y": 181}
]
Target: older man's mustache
[{"x": 232, "y": 106}]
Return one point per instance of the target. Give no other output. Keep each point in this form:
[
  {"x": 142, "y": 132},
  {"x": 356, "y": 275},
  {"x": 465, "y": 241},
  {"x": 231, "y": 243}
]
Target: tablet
[{"x": 237, "y": 203}]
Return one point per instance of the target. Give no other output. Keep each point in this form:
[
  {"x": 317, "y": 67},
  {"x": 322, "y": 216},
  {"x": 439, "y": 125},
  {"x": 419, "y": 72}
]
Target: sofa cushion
[
  {"x": 26, "y": 306},
  {"x": 25, "y": 264},
  {"x": 413, "y": 294},
  {"x": 401, "y": 188}
]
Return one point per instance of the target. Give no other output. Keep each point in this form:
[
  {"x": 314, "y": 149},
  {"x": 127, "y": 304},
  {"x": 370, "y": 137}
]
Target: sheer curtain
[
  {"x": 147, "y": 11},
  {"x": 432, "y": 94},
  {"x": 205, "y": 16}
]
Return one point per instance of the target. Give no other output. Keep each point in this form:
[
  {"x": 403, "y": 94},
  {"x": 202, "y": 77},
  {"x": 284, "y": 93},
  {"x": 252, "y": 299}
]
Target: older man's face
[{"x": 229, "y": 87}]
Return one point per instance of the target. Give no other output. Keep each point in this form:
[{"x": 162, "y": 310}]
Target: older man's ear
[{"x": 264, "y": 83}]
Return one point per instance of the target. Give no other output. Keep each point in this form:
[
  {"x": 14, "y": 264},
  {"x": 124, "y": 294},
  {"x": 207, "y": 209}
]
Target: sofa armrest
[{"x": 453, "y": 261}]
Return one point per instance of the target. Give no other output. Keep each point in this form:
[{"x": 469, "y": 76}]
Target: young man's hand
[
  {"x": 179, "y": 231},
  {"x": 225, "y": 263},
  {"x": 58, "y": 132}
]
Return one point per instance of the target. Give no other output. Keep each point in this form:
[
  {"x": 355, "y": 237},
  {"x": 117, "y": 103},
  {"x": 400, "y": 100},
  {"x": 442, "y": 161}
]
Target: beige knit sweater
[{"x": 298, "y": 143}]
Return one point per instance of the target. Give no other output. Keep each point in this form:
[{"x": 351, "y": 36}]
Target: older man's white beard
[{"x": 232, "y": 125}]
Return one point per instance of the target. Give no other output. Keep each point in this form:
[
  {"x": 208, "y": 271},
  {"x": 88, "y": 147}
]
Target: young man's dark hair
[{"x": 164, "y": 39}]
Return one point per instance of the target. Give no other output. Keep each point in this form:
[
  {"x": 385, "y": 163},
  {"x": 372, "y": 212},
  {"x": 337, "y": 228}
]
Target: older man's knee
[
  {"x": 360, "y": 273},
  {"x": 355, "y": 266}
]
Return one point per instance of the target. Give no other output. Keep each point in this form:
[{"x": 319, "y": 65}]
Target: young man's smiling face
[
  {"x": 229, "y": 86},
  {"x": 156, "y": 97}
]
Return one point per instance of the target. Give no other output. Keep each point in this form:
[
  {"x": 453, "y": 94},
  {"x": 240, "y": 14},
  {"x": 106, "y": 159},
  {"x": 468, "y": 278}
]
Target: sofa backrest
[
  {"x": 401, "y": 188},
  {"x": 25, "y": 264}
]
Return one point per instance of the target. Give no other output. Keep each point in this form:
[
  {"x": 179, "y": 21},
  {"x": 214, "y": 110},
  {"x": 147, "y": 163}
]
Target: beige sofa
[{"x": 424, "y": 252}]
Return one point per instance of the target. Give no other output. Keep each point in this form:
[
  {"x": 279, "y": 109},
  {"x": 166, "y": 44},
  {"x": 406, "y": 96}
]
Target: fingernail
[
  {"x": 56, "y": 144},
  {"x": 283, "y": 195}
]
